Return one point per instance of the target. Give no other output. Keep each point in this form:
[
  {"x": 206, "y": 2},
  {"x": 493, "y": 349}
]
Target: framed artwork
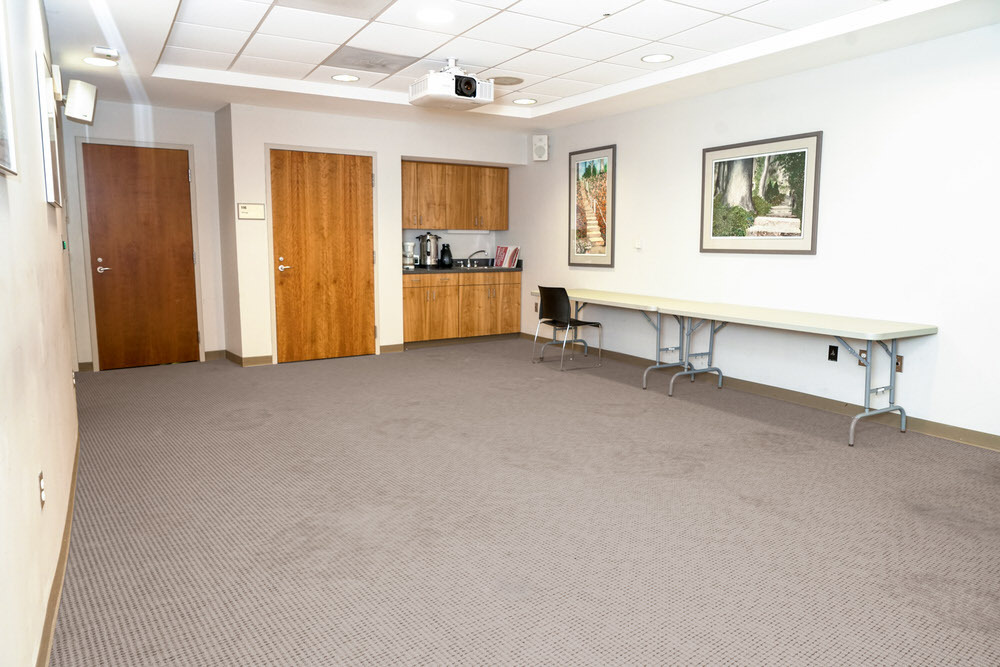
[
  {"x": 49, "y": 120},
  {"x": 761, "y": 196},
  {"x": 592, "y": 207},
  {"x": 8, "y": 159}
]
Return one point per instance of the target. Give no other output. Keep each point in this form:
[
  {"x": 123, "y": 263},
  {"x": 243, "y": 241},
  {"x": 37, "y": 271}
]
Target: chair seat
[{"x": 573, "y": 322}]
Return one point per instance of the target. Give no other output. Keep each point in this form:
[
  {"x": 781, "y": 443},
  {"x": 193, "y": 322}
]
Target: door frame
[
  {"x": 268, "y": 211},
  {"x": 85, "y": 231}
]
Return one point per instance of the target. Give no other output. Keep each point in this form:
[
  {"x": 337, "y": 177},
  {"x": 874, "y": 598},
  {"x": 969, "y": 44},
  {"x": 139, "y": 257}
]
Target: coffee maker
[
  {"x": 427, "y": 245},
  {"x": 408, "y": 258}
]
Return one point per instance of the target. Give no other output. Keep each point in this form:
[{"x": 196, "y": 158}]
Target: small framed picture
[
  {"x": 592, "y": 207},
  {"x": 761, "y": 196}
]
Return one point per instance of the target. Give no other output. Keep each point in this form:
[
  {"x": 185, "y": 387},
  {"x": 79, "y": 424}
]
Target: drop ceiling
[{"x": 566, "y": 55}]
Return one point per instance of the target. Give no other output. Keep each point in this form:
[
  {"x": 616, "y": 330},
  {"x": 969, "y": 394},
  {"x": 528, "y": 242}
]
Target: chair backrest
[{"x": 553, "y": 304}]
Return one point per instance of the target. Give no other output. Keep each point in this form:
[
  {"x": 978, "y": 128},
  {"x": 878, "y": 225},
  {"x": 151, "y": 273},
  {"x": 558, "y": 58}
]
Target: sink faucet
[{"x": 468, "y": 260}]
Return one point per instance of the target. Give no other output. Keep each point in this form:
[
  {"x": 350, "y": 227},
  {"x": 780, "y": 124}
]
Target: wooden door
[
  {"x": 476, "y": 310},
  {"x": 508, "y": 308},
  {"x": 491, "y": 190},
  {"x": 324, "y": 283},
  {"x": 141, "y": 255},
  {"x": 443, "y": 313},
  {"x": 416, "y": 302}
]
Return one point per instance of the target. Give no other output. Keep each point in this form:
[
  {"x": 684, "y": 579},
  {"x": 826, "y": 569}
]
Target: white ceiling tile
[
  {"x": 269, "y": 67},
  {"x": 592, "y": 44},
  {"x": 421, "y": 67},
  {"x": 496, "y": 4},
  {"x": 476, "y": 52},
  {"x": 496, "y": 73},
  {"x": 791, "y": 14},
  {"x": 232, "y": 14},
  {"x": 207, "y": 38},
  {"x": 286, "y": 48},
  {"x": 315, "y": 26},
  {"x": 560, "y": 87},
  {"x": 680, "y": 55},
  {"x": 399, "y": 84},
  {"x": 721, "y": 34},
  {"x": 604, "y": 73},
  {"x": 577, "y": 12},
  {"x": 415, "y": 14},
  {"x": 323, "y": 74},
  {"x": 398, "y": 39},
  {"x": 546, "y": 64},
  {"x": 362, "y": 9},
  {"x": 723, "y": 6},
  {"x": 508, "y": 100},
  {"x": 654, "y": 19},
  {"x": 175, "y": 55},
  {"x": 519, "y": 30}
]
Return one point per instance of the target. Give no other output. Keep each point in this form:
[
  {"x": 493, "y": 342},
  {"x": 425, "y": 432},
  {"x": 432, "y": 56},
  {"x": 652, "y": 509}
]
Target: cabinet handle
[{"x": 414, "y": 219}]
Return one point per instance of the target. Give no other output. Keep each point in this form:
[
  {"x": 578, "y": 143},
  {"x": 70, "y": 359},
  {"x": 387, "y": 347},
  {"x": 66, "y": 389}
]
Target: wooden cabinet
[
  {"x": 452, "y": 305},
  {"x": 430, "y": 307},
  {"x": 453, "y": 196},
  {"x": 489, "y": 303}
]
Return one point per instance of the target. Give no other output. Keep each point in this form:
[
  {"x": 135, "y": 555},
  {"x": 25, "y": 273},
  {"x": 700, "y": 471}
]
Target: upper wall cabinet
[{"x": 454, "y": 196}]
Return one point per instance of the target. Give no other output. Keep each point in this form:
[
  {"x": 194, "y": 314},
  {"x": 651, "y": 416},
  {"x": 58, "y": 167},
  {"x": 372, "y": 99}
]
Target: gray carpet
[{"x": 458, "y": 505}]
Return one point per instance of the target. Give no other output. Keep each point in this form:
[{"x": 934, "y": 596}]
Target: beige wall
[
  {"x": 151, "y": 126},
  {"x": 227, "y": 229},
  {"x": 38, "y": 422},
  {"x": 254, "y": 129}
]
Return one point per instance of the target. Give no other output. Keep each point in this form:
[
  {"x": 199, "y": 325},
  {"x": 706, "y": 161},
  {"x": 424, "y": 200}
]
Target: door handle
[
  {"x": 102, "y": 269},
  {"x": 282, "y": 267}
]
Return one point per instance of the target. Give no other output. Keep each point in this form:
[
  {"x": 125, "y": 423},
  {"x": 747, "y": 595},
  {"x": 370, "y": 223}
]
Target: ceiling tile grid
[{"x": 555, "y": 48}]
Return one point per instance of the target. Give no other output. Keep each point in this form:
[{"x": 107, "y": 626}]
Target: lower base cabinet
[{"x": 461, "y": 304}]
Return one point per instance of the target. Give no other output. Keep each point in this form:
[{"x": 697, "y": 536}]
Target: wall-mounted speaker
[
  {"x": 80, "y": 100},
  {"x": 540, "y": 147}
]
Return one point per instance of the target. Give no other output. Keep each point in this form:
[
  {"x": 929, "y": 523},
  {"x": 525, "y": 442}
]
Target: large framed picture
[
  {"x": 49, "y": 119},
  {"x": 8, "y": 159},
  {"x": 761, "y": 196},
  {"x": 592, "y": 207}
]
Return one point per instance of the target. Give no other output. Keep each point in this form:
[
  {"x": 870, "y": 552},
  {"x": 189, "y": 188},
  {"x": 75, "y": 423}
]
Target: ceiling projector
[{"x": 450, "y": 88}]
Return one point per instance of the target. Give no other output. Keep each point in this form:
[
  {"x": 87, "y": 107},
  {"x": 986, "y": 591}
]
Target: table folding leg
[
  {"x": 689, "y": 328},
  {"x": 866, "y": 361}
]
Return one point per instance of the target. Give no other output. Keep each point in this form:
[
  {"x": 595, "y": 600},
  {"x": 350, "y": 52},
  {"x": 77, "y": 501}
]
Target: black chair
[{"x": 554, "y": 310}]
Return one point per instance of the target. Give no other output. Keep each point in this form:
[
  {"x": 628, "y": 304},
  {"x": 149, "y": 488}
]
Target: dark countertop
[{"x": 475, "y": 269}]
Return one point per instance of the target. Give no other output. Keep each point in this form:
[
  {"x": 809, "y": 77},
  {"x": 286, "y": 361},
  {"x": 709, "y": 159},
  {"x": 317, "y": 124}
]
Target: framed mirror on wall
[{"x": 49, "y": 120}]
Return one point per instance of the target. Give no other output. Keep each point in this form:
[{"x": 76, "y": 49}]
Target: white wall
[
  {"x": 907, "y": 225},
  {"x": 38, "y": 424},
  {"x": 160, "y": 127},
  {"x": 254, "y": 129}
]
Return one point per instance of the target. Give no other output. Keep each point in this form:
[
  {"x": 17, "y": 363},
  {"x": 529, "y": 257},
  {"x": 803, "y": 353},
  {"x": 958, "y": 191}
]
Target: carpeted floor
[{"x": 458, "y": 505}]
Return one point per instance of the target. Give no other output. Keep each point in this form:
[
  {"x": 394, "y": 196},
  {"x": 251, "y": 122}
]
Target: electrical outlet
[
  {"x": 864, "y": 355},
  {"x": 899, "y": 363},
  {"x": 831, "y": 354}
]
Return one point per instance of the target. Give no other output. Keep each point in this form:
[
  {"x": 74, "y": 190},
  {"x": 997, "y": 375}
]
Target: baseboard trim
[
  {"x": 214, "y": 355},
  {"x": 246, "y": 362},
  {"x": 55, "y": 593},
  {"x": 946, "y": 431},
  {"x": 383, "y": 349},
  {"x": 86, "y": 366}
]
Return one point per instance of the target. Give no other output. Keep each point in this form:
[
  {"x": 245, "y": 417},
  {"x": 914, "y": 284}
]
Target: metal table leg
[
  {"x": 691, "y": 371},
  {"x": 679, "y": 348},
  {"x": 869, "y": 390}
]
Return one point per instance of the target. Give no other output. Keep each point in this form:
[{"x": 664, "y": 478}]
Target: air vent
[{"x": 348, "y": 57}]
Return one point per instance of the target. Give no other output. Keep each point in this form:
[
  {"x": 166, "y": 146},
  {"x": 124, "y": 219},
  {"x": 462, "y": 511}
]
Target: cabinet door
[
  {"x": 431, "y": 196},
  {"x": 491, "y": 193},
  {"x": 415, "y": 313},
  {"x": 476, "y": 310},
  {"x": 442, "y": 314},
  {"x": 508, "y": 305},
  {"x": 410, "y": 186},
  {"x": 462, "y": 205}
]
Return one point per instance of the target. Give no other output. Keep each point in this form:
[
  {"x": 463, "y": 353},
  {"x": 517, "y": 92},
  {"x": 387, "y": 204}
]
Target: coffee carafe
[
  {"x": 445, "y": 262},
  {"x": 428, "y": 246}
]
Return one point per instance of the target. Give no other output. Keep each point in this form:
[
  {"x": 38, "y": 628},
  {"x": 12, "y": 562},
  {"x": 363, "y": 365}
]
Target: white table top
[{"x": 791, "y": 320}]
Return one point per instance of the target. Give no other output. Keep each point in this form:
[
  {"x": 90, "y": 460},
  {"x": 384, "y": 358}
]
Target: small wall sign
[{"x": 250, "y": 211}]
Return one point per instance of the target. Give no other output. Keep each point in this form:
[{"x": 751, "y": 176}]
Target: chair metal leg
[
  {"x": 563, "y": 357},
  {"x": 600, "y": 344},
  {"x": 534, "y": 342}
]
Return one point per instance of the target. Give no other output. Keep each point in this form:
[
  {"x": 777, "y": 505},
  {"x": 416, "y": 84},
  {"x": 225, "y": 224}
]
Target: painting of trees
[{"x": 759, "y": 195}]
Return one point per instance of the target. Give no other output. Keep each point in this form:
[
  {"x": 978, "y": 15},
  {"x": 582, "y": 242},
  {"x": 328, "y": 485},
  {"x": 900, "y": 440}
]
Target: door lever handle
[
  {"x": 282, "y": 267},
  {"x": 102, "y": 269}
]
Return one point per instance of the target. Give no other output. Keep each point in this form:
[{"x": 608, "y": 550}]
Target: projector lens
[{"x": 465, "y": 86}]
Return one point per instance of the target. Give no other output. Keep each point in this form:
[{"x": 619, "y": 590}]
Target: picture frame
[
  {"x": 592, "y": 207},
  {"x": 8, "y": 154},
  {"x": 49, "y": 121},
  {"x": 762, "y": 196}
]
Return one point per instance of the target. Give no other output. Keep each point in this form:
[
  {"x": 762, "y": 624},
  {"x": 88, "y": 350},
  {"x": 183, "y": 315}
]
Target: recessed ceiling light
[
  {"x": 525, "y": 101},
  {"x": 100, "y": 62},
  {"x": 657, "y": 58},
  {"x": 435, "y": 16},
  {"x": 344, "y": 77}
]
